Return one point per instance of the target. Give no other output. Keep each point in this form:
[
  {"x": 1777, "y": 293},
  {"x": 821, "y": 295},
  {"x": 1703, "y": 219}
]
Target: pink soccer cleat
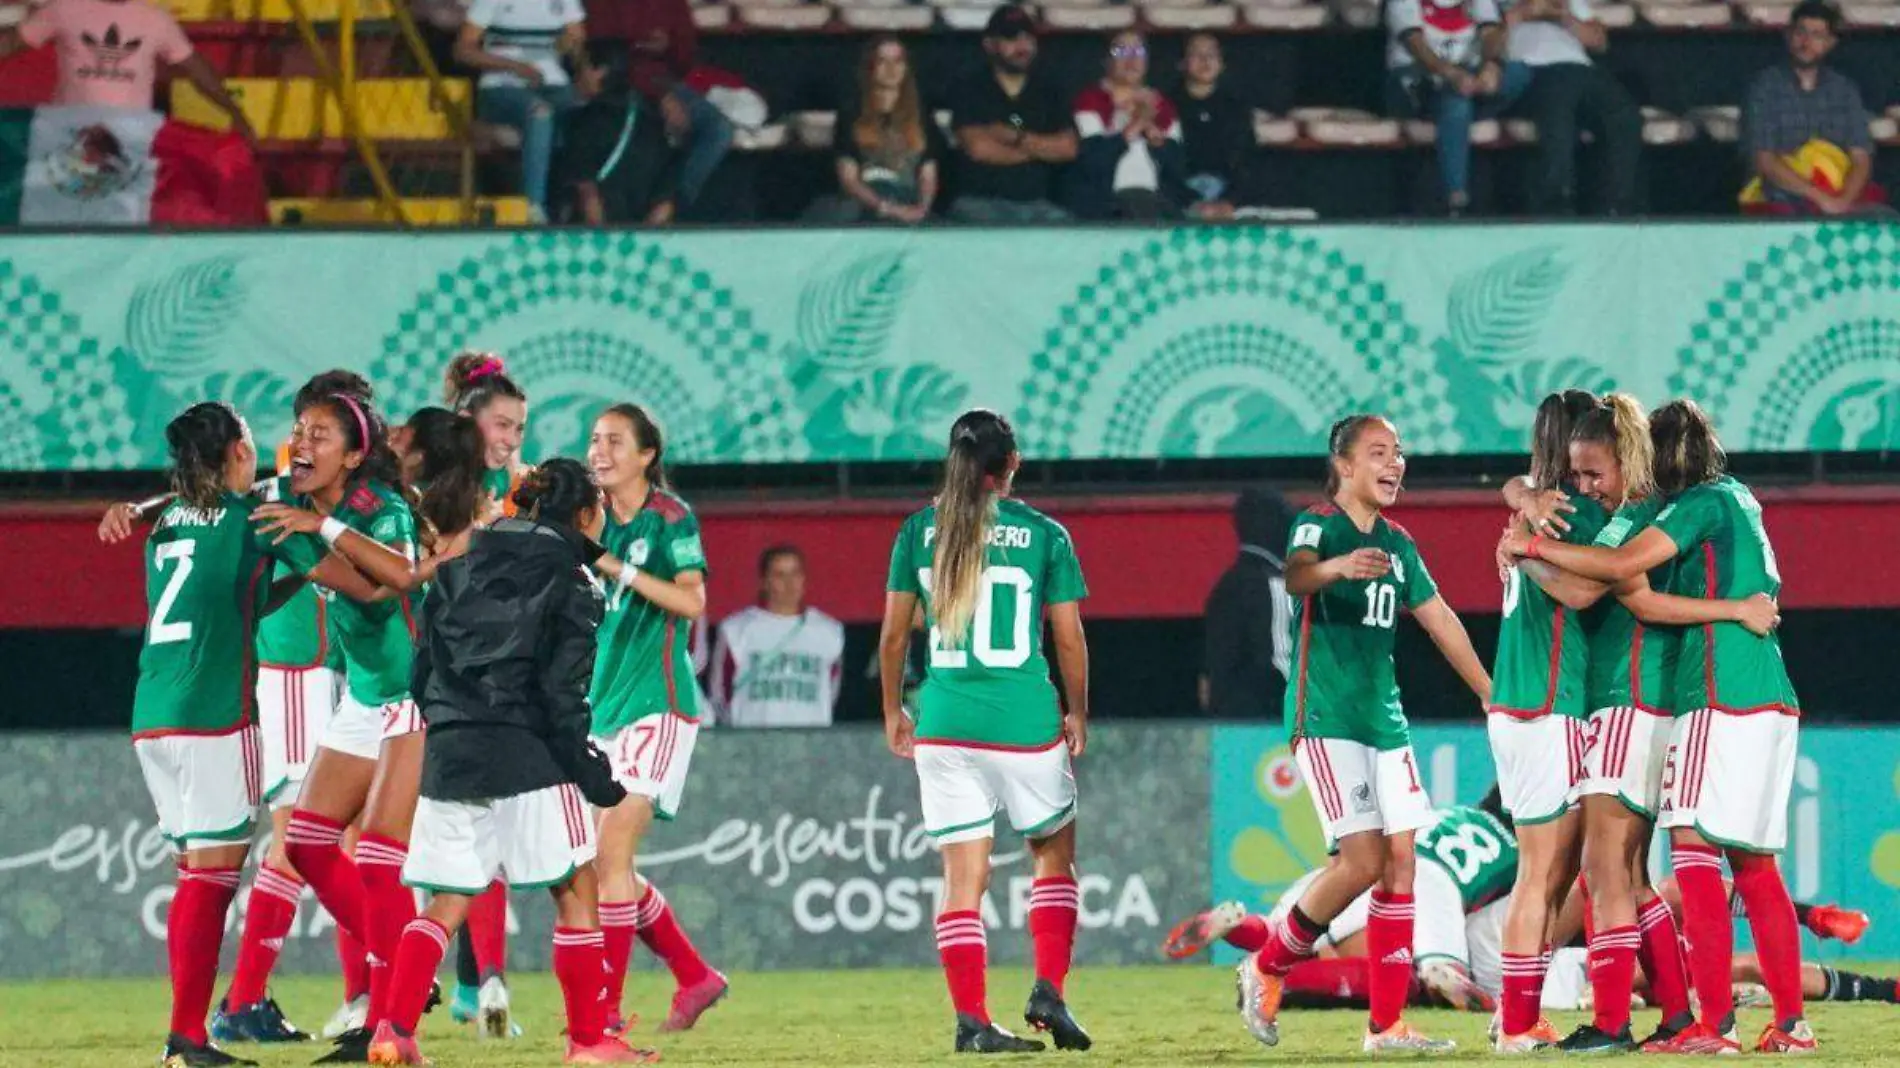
[{"x": 690, "y": 1003}]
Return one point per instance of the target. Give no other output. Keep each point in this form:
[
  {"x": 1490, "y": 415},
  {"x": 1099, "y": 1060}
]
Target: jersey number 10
[
  {"x": 164, "y": 631},
  {"x": 1382, "y": 605},
  {"x": 1002, "y": 580}
]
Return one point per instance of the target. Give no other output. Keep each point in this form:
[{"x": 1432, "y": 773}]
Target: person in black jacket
[
  {"x": 1216, "y": 130},
  {"x": 1244, "y": 674},
  {"x": 504, "y": 657}
]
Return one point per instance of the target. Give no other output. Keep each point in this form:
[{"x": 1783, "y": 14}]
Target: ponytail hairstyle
[
  {"x": 1617, "y": 423},
  {"x": 557, "y": 492},
  {"x": 1339, "y": 443},
  {"x": 1687, "y": 450},
  {"x": 981, "y": 445},
  {"x": 648, "y": 432},
  {"x": 476, "y": 378},
  {"x": 199, "y": 440},
  {"x": 451, "y": 453},
  {"x": 1557, "y": 417}
]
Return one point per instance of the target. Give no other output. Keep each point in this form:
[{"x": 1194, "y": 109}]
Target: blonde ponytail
[
  {"x": 1635, "y": 452},
  {"x": 981, "y": 445}
]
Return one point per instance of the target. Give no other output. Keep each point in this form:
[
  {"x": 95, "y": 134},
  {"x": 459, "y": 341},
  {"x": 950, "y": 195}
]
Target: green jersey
[
  {"x": 498, "y": 484},
  {"x": 1633, "y": 664},
  {"x": 1344, "y": 685},
  {"x": 378, "y": 640},
  {"x": 1543, "y": 647},
  {"x": 645, "y": 663},
  {"x": 295, "y": 635},
  {"x": 1476, "y": 849},
  {"x": 992, "y": 689},
  {"x": 1724, "y": 554},
  {"x": 207, "y": 580}
]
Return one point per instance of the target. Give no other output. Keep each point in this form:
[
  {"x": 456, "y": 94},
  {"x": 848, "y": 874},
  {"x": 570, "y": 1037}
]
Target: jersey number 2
[
  {"x": 164, "y": 631},
  {"x": 1008, "y": 581}
]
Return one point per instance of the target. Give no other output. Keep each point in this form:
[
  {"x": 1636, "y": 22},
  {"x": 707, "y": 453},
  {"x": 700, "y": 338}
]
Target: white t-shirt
[
  {"x": 1542, "y": 44},
  {"x": 526, "y": 31},
  {"x": 777, "y": 671},
  {"x": 1450, "y": 28}
]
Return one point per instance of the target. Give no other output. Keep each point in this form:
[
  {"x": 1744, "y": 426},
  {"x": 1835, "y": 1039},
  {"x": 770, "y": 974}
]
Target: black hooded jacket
[{"x": 504, "y": 659}]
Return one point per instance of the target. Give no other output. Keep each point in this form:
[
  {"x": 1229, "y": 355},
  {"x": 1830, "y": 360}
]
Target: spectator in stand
[
  {"x": 1216, "y": 129},
  {"x": 519, "y": 47},
  {"x": 1130, "y": 163},
  {"x": 777, "y": 664},
  {"x": 662, "y": 42},
  {"x": 888, "y": 145},
  {"x": 617, "y": 166},
  {"x": 1804, "y": 129},
  {"x": 109, "y": 52},
  {"x": 1554, "y": 38},
  {"x": 1013, "y": 129},
  {"x": 1244, "y": 673},
  {"x": 1445, "y": 60}
]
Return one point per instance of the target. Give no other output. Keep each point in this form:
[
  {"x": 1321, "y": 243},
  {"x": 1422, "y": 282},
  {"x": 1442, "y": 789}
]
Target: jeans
[
  {"x": 1412, "y": 92},
  {"x": 707, "y": 142},
  {"x": 1563, "y": 96},
  {"x": 534, "y": 112}
]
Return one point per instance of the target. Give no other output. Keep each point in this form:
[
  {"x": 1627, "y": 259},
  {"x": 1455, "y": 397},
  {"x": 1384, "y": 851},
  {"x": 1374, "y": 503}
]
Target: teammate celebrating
[
  {"x": 1349, "y": 568},
  {"x": 991, "y": 732},
  {"x": 477, "y": 384},
  {"x": 1730, "y": 764},
  {"x": 645, "y": 700}
]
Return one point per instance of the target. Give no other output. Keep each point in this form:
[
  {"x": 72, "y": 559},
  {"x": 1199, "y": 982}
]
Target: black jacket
[
  {"x": 1248, "y": 616},
  {"x": 504, "y": 659}
]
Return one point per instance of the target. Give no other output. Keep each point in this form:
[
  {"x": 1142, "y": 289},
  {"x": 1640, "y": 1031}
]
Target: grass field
[{"x": 1139, "y": 1016}]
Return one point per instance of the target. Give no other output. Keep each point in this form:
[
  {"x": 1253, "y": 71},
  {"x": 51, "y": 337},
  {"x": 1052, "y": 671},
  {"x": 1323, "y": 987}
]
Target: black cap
[{"x": 1009, "y": 21}]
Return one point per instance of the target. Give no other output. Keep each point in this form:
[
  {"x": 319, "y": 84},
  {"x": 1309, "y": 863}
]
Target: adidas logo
[
  {"x": 1398, "y": 956},
  {"x": 110, "y": 54}
]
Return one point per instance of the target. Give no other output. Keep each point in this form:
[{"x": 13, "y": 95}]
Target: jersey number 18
[{"x": 1002, "y": 580}]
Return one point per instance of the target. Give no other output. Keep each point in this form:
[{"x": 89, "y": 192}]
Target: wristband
[
  {"x": 628, "y": 573},
  {"x": 331, "y": 529},
  {"x": 1535, "y": 550}
]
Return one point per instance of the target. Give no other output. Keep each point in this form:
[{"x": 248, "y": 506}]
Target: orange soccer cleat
[{"x": 1833, "y": 921}]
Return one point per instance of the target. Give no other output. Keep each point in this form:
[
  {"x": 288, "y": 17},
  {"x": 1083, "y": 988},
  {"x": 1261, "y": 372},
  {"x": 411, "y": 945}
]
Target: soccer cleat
[
  {"x": 618, "y": 1024},
  {"x": 1541, "y": 1036},
  {"x": 1402, "y": 1037},
  {"x": 349, "y": 1016},
  {"x": 1669, "y": 1029},
  {"x": 1591, "y": 1039},
  {"x": 978, "y": 1036},
  {"x": 496, "y": 1020},
  {"x": 1833, "y": 921},
  {"x": 1259, "y": 1002},
  {"x": 1046, "y": 1011},
  {"x": 466, "y": 1004},
  {"x": 1698, "y": 1039},
  {"x": 1451, "y": 982},
  {"x": 1203, "y": 929},
  {"x": 262, "y": 1022},
  {"x": 181, "y": 1052},
  {"x": 391, "y": 1047},
  {"x": 690, "y": 1003},
  {"x": 1798, "y": 1037},
  {"x": 351, "y": 1047},
  {"x": 609, "y": 1051}
]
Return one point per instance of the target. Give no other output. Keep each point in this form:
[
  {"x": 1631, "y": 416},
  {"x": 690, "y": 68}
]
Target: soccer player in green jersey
[
  {"x": 1349, "y": 568},
  {"x": 477, "y": 384},
  {"x": 645, "y": 699},
  {"x": 991, "y": 732},
  {"x": 1730, "y": 764}
]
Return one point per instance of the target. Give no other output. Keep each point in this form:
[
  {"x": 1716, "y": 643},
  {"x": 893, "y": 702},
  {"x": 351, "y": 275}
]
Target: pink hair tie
[
  {"x": 362, "y": 421},
  {"x": 490, "y": 366}
]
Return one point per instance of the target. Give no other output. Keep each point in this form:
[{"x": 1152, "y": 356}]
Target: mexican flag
[{"x": 92, "y": 166}]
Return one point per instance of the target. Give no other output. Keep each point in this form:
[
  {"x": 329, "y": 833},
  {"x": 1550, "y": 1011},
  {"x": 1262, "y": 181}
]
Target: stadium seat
[
  {"x": 712, "y": 17},
  {"x": 1693, "y": 16},
  {"x": 1276, "y": 17},
  {"x": 768, "y": 138},
  {"x": 302, "y": 109},
  {"x": 1721, "y": 124},
  {"x": 965, "y": 16},
  {"x": 805, "y": 17},
  {"x": 1359, "y": 14},
  {"x": 1050, "y": 5},
  {"x": 190, "y": 11},
  {"x": 420, "y": 211},
  {"x": 1091, "y": 19},
  {"x": 1271, "y": 129},
  {"x": 1662, "y": 128},
  {"x": 1871, "y": 16},
  {"x": 1615, "y": 16},
  {"x": 1484, "y": 132},
  {"x": 812, "y": 129},
  {"x": 1209, "y": 17},
  {"x": 1348, "y": 127},
  {"x": 904, "y": 19},
  {"x": 1884, "y": 128}
]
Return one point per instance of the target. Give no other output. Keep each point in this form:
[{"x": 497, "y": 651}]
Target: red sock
[
  {"x": 313, "y": 844},
  {"x": 616, "y": 933},
  {"x": 1053, "y": 904},
  {"x": 267, "y": 918},
  {"x": 418, "y": 955},
  {"x": 1339, "y": 977},
  {"x": 1708, "y": 928},
  {"x": 1289, "y": 941},
  {"x": 488, "y": 929},
  {"x": 580, "y": 966},
  {"x": 1250, "y": 934},
  {"x": 1523, "y": 995},
  {"x": 1389, "y": 947},
  {"x": 965, "y": 951},
  {"x": 1771, "y": 920},
  {"x": 660, "y": 932},
  {"x": 354, "y": 960},
  {"x": 389, "y": 908},
  {"x": 194, "y": 933},
  {"x": 1661, "y": 958},
  {"x": 1612, "y": 974}
]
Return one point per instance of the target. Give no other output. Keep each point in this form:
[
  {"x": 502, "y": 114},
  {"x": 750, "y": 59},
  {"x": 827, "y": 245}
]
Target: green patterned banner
[{"x": 799, "y": 345}]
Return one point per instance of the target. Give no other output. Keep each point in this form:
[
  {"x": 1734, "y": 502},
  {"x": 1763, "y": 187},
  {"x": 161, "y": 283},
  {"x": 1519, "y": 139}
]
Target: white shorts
[
  {"x": 1358, "y": 788},
  {"x": 1623, "y": 757},
  {"x": 650, "y": 758},
  {"x": 1484, "y": 941},
  {"x": 1728, "y": 777},
  {"x": 963, "y": 788},
  {"x": 1540, "y": 763},
  {"x": 359, "y": 729},
  {"x": 294, "y": 706},
  {"x": 204, "y": 786},
  {"x": 535, "y": 839},
  {"x": 1438, "y": 925}
]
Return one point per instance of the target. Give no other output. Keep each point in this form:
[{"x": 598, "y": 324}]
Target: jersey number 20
[
  {"x": 1002, "y": 580},
  {"x": 163, "y": 631}
]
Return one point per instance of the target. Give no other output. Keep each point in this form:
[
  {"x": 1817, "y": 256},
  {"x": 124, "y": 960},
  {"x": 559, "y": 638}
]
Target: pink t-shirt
[{"x": 109, "y": 50}]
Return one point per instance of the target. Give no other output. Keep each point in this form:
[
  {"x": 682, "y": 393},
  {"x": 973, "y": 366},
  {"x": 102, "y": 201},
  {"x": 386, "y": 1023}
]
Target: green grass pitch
[{"x": 1160, "y": 1016}]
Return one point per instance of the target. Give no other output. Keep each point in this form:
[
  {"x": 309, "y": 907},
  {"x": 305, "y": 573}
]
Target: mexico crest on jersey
[{"x": 637, "y": 552}]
